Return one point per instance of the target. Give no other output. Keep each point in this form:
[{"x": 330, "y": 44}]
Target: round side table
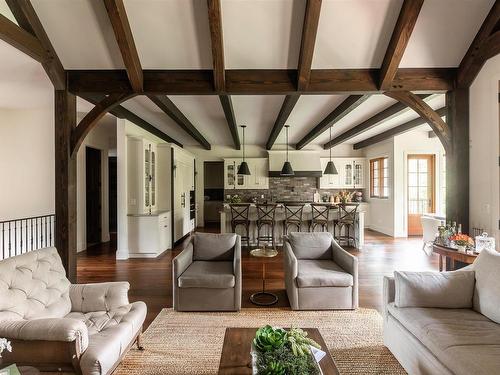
[{"x": 264, "y": 298}]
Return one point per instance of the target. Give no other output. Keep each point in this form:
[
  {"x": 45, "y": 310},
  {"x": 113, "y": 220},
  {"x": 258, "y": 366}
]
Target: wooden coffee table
[{"x": 236, "y": 358}]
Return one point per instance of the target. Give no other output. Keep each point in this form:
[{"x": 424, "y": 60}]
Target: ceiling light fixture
[
  {"x": 243, "y": 168},
  {"x": 330, "y": 167},
  {"x": 287, "y": 169}
]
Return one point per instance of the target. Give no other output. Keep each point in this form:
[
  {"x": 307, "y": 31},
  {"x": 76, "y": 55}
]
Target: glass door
[{"x": 420, "y": 190}]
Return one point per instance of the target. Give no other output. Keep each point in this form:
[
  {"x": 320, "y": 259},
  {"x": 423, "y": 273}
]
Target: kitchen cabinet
[
  {"x": 149, "y": 235},
  {"x": 258, "y": 179},
  {"x": 183, "y": 163},
  {"x": 350, "y": 174}
]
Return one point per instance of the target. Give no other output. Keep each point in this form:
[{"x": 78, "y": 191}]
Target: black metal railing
[{"x": 19, "y": 236}]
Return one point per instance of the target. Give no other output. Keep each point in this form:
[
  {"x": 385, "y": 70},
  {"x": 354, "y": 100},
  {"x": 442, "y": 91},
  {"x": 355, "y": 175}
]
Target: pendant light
[
  {"x": 330, "y": 167},
  {"x": 287, "y": 169},
  {"x": 243, "y": 168}
]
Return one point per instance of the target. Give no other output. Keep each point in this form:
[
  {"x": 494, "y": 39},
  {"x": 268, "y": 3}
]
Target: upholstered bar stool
[
  {"x": 240, "y": 217},
  {"x": 346, "y": 221},
  {"x": 293, "y": 217},
  {"x": 266, "y": 219},
  {"x": 320, "y": 217}
]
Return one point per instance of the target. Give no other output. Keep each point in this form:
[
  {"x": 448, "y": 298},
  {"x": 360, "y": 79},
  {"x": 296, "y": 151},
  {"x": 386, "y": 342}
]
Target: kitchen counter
[{"x": 147, "y": 214}]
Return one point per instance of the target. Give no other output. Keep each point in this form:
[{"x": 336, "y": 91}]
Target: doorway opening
[
  {"x": 112, "y": 195},
  {"x": 93, "y": 195},
  {"x": 214, "y": 192},
  {"x": 421, "y": 194}
]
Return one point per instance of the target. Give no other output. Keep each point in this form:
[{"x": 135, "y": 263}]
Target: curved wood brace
[
  {"x": 92, "y": 118},
  {"x": 435, "y": 121}
]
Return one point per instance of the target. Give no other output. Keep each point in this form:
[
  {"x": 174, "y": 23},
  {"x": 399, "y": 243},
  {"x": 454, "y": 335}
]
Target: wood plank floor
[{"x": 151, "y": 279}]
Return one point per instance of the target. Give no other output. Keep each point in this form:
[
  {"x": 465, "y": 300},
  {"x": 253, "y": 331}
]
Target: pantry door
[{"x": 421, "y": 197}]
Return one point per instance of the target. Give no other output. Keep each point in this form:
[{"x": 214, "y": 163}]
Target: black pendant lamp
[
  {"x": 243, "y": 168},
  {"x": 330, "y": 167},
  {"x": 287, "y": 169}
]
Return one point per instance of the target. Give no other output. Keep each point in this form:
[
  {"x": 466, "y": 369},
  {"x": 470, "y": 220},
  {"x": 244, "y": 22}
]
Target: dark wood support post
[
  {"x": 65, "y": 181},
  {"x": 457, "y": 158}
]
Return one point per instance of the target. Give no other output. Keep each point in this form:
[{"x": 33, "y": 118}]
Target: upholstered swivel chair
[
  {"x": 56, "y": 326},
  {"x": 207, "y": 273},
  {"x": 319, "y": 274}
]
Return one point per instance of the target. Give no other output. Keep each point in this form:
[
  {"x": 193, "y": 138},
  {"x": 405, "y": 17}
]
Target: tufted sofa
[{"x": 54, "y": 325}]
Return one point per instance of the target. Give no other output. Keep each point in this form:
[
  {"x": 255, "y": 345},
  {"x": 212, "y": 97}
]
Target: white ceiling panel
[
  {"x": 258, "y": 112},
  {"x": 354, "y": 33},
  {"x": 262, "y": 34},
  {"x": 171, "y": 34},
  {"x": 80, "y": 32},
  {"x": 206, "y": 114},
  {"x": 444, "y": 31},
  {"x": 5, "y": 11}
]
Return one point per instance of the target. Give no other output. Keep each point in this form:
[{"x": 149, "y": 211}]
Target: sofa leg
[{"x": 138, "y": 341}]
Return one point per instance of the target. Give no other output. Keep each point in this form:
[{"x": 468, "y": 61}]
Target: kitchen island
[{"x": 225, "y": 220}]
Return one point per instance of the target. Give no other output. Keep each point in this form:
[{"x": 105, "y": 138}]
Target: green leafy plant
[
  {"x": 299, "y": 342},
  {"x": 268, "y": 338},
  {"x": 274, "y": 368}
]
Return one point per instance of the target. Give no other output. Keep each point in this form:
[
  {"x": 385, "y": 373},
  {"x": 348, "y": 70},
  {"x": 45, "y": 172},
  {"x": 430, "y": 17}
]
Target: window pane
[
  {"x": 375, "y": 191},
  {"x": 412, "y": 193},
  {"x": 422, "y": 165},
  {"x": 412, "y": 207},
  {"x": 386, "y": 192},
  {"x": 375, "y": 174},
  {"x": 412, "y": 179},
  {"x": 386, "y": 163},
  {"x": 422, "y": 179},
  {"x": 413, "y": 165},
  {"x": 422, "y": 193},
  {"x": 385, "y": 182}
]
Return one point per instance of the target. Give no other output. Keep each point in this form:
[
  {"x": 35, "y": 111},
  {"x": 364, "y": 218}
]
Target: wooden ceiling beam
[
  {"x": 27, "y": 18},
  {"x": 227, "y": 106},
  {"x": 399, "y": 40},
  {"x": 342, "y": 110},
  {"x": 121, "y": 112},
  {"x": 435, "y": 121},
  {"x": 309, "y": 31},
  {"x": 22, "y": 40},
  {"x": 477, "y": 54},
  {"x": 121, "y": 27},
  {"x": 172, "y": 111},
  {"x": 215, "y": 23},
  {"x": 368, "y": 124},
  {"x": 261, "y": 82},
  {"x": 403, "y": 128},
  {"x": 286, "y": 109}
]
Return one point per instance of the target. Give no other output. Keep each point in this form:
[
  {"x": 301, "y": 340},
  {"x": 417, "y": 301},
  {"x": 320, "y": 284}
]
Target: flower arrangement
[
  {"x": 5, "y": 345},
  {"x": 235, "y": 199},
  {"x": 344, "y": 196},
  {"x": 462, "y": 240}
]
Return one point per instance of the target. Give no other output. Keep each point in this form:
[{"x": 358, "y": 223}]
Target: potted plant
[
  {"x": 4, "y": 345},
  {"x": 462, "y": 241}
]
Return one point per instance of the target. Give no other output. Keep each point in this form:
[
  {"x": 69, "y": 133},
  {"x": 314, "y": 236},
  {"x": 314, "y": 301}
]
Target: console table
[{"x": 453, "y": 255}]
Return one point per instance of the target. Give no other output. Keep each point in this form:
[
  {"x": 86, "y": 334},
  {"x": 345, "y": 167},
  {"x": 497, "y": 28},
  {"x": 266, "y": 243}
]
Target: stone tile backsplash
[{"x": 284, "y": 188}]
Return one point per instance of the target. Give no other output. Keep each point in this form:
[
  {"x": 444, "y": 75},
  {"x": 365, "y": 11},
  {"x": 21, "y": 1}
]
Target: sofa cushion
[
  {"x": 34, "y": 286},
  {"x": 202, "y": 274},
  {"x": 487, "y": 290},
  {"x": 211, "y": 246},
  {"x": 311, "y": 245},
  {"x": 463, "y": 340},
  {"x": 434, "y": 289},
  {"x": 319, "y": 273}
]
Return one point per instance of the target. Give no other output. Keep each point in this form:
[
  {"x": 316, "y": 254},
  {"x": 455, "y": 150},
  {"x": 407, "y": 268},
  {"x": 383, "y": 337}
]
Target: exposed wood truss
[
  {"x": 426, "y": 112},
  {"x": 368, "y": 124},
  {"x": 227, "y": 106},
  {"x": 343, "y": 109},
  {"x": 215, "y": 22},
  {"x": 21, "y": 39},
  {"x": 121, "y": 27},
  {"x": 485, "y": 45},
  {"x": 309, "y": 31},
  {"x": 92, "y": 118},
  {"x": 399, "y": 40},
  {"x": 167, "y": 106},
  {"x": 26, "y": 18},
  {"x": 286, "y": 109},
  {"x": 403, "y": 128},
  {"x": 261, "y": 81}
]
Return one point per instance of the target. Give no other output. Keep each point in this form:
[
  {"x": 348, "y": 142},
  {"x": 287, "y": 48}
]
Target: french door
[{"x": 421, "y": 196}]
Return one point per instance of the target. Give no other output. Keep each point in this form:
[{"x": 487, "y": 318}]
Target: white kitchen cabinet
[
  {"x": 350, "y": 174},
  {"x": 258, "y": 178},
  {"x": 149, "y": 235},
  {"x": 183, "y": 184}
]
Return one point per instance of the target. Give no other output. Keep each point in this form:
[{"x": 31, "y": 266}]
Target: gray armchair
[
  {"x": 319, "y": 274},
  {"x": 207, "y": 273}
]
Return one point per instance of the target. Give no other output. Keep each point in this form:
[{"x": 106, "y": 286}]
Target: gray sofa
[
  {"x": 319, "y": 274},
  {"x": 207, "y": 273},
  {"x": 53, "y": 325},
  {"x": 446, "y": 323}
]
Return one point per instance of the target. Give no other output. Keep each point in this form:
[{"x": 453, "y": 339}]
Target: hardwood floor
[{"x": 151, "y": 279}]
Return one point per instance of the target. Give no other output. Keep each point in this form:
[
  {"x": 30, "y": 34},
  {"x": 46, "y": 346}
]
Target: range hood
[{"x": 304, "y": 163}]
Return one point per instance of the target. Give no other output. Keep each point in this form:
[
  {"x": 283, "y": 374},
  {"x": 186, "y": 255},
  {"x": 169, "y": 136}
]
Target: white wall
[
  {"x": 122, "y": 183},
  {"x": 26, "y": 163},
  {"x": 484, "y": 151}
]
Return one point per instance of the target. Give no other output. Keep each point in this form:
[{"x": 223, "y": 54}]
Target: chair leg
[{"x": 138, "y": 342}]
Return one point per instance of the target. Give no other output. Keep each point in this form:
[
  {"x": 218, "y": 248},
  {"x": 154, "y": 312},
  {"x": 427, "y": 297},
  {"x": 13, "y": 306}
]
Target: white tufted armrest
[
  {"x": 99, "y": 296},
  {"x": 51, "y": 329}
]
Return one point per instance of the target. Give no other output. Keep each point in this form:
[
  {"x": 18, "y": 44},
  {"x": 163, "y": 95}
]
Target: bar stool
[
  {"x": 266, "y": 217},
  {"x": 346, "y": 221},
  {"x": 240, "y": 217},
  {"x": 320, "y": 216},
  {"x": 293, "y": 217}
]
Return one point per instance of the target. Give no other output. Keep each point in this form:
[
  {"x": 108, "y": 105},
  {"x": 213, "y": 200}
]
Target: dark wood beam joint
[
  {"x": 309, "y": 31},
  {"x": 227, "y": 106}
]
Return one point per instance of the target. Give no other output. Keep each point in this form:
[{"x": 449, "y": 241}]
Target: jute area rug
[{"x": 191, "y": 343}]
